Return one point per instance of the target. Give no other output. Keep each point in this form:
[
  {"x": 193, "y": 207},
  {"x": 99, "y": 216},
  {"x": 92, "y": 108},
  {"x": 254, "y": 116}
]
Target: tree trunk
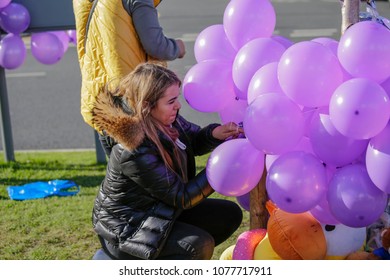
[
  {"x": 350, "y": 13},
  {"x": 258, "y": 197}
]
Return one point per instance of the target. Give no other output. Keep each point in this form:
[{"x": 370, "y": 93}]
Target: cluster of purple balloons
[
  {"x": 46, "y": 47},
  {"x": 315, "y": 113}
]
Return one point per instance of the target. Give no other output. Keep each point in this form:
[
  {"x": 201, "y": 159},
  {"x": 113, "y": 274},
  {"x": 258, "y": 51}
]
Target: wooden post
[
  {"x": 258, "y": 196},
  {"x": 350, "y": 13}
]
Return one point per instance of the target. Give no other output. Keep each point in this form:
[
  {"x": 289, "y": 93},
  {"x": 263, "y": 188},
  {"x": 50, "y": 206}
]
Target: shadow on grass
[
  {"x": 85, "y": 175},
  {"x": 88, "y": 181},
  {"x": 52, "y": 166},
  {"x": 82, "y": 181}
]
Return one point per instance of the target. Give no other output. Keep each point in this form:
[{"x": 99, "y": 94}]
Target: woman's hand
[{"x": 227, "y": 130}]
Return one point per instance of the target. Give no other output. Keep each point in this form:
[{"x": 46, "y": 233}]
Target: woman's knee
[
  {"x": 236, "y": 214},
  {"x": 199, "y": 247},
  {"x": 232, "y": 213}
]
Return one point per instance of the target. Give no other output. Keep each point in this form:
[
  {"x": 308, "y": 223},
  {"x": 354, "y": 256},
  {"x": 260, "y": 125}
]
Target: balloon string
[{"x": 372, "y": 14}]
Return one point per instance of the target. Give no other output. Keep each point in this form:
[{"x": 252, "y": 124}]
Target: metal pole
[
  {"x": 350, "y": 13},
  {"x": 100, "y": 154},
  {"x": 6, "y": 131}
]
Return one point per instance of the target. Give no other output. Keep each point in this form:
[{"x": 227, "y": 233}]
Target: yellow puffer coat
[{"x": 110, "y": 50}]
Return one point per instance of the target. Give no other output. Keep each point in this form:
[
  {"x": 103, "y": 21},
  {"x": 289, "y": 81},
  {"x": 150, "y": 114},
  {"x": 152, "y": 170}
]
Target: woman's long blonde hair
[{"x": 140, "y": 91}]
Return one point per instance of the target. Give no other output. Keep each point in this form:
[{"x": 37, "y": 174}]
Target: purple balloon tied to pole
[
  {"x": 14, "y": 18},
  {"x": 46, "y": 48},
  {"x": 72, "y": 36},
  {"x": 63, "y": 37},
  {"x": 12, "y": 51}
]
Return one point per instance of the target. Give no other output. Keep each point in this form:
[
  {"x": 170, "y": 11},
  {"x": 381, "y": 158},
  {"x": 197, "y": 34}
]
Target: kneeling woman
[{"x": 151, "y": 204}]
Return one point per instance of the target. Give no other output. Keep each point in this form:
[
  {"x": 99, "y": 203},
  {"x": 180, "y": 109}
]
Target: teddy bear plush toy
[{"x": 382, "y": 253}]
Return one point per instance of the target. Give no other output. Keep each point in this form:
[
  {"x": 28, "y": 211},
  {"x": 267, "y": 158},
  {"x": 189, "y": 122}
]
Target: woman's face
[{"x": 167, "y": 106}]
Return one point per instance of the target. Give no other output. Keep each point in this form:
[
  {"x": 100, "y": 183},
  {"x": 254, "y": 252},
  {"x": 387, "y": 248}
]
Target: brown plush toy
[{"x": 382, "y": 253}]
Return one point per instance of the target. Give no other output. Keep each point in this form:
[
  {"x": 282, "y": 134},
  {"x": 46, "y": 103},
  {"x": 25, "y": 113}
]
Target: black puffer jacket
[{"x": 140, "y": 198}]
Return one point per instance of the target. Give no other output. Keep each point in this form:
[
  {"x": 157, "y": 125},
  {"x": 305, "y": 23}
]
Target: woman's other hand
[{"x": 227, "y": 130}]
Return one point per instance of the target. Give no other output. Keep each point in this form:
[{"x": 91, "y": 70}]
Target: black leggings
[{"x": 195, "y": 233}]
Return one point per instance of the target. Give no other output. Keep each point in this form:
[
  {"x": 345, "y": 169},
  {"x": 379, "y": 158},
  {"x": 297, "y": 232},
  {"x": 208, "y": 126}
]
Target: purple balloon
[
  {"x": 273, "y": 123},
  {"x": 359, "y": 108},
  {"x": 46, "y": 48},
  {"x": 308, "y": 113},
  {"x": 14, "y": 18},
  {"x": 244, "y": 201},
  {"x": 333, "y": 45},
  {"x": 208, "y": 85},
  {"x": 323, "y": 214},
  {"x": 330, "y": 145},
  {"x": 304, "y": 146},
  {"x": 235, "y": 167},
  {"x": 378, "y": 159},
  {"x": 386, "y": 86},
  {"x": 364, "y": 51},
  {"x": 296, "y": 182},
  {"x": 330, "y": 170},
  {"x": 245, "y": 20},
  {"x": 4, "y": 3},
  {"x": 234, "y": 111},
  {"x": 330, "y": 43},
  {"x": 353, "y": 198},
  {"x": 283, "y": 40},
  {"x": 12, "y": 51},
  {"x": 72, "y": 36},
  {"x": 250, "y": 58},
  {"x": 265, "y": 80},
  {"x": 212, "y": 43},
  {"x": 308, "y": 73},
  {"x": 63, "y": 37}
]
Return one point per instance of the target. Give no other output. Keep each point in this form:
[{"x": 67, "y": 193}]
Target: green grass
[{"x": 58, "y": 228}]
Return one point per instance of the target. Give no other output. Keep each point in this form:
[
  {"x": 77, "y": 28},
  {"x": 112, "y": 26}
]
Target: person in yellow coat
[{"x": 113, "y": 37}]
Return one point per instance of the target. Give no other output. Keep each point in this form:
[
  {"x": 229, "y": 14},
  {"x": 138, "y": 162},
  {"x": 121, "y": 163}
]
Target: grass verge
[{"x": 59, "y": 228}]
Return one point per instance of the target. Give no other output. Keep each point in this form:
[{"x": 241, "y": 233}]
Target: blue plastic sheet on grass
[{"x": 39, "y": 189}]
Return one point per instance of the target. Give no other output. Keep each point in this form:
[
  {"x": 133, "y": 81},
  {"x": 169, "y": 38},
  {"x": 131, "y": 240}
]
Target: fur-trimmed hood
[{"x": 108, "y": 115}]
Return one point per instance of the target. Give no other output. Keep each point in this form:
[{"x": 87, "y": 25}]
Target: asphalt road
[{"x": 44, "y": 100}]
